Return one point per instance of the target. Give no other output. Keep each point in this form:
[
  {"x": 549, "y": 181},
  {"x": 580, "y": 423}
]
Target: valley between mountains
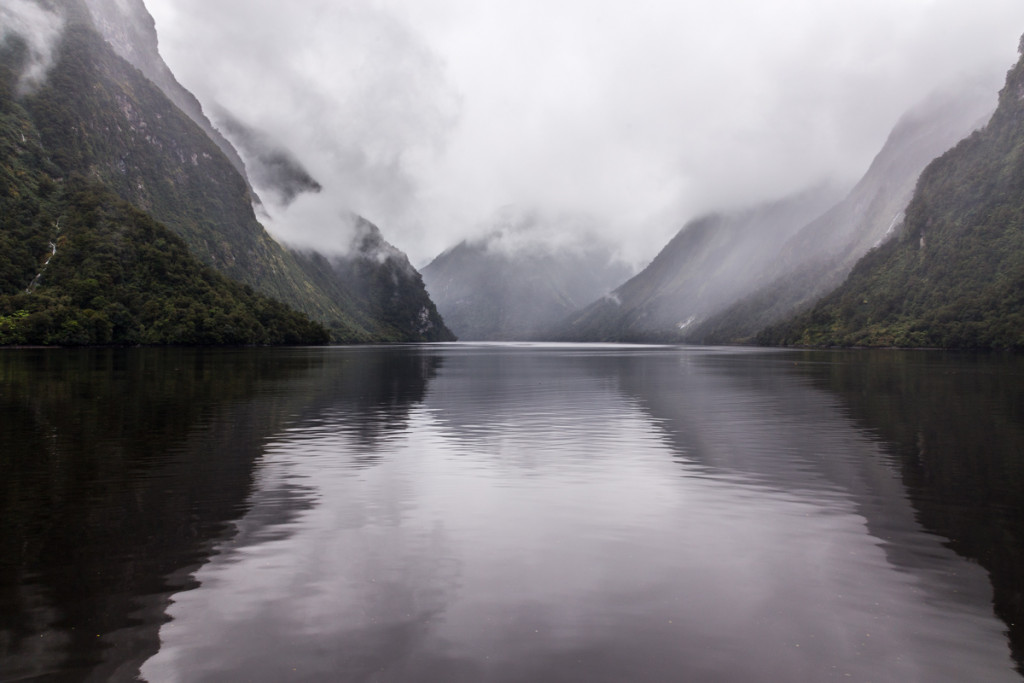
[{"x": 129, "y": 216}]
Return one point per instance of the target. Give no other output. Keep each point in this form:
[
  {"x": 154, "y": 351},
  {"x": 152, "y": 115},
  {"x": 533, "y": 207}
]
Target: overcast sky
[{"x": 428, "y": 116}]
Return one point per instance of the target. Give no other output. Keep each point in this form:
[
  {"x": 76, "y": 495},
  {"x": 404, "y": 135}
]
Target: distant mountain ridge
[
  {"x": 488, "y": 289},
  {"x": 110, "y": 120},
  {"x": 711, "y": 262}
]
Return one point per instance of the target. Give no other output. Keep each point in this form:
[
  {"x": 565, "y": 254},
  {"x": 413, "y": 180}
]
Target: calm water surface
[{"x": 511, "y": 513}]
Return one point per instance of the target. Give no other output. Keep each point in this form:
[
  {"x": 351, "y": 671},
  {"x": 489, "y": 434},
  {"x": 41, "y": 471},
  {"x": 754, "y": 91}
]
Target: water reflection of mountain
[
  {"x": 486, "y": 390},
  {"x": 954, "y": 425},
  {"x": 368, "y": 391},
  {"x": 912, "y": 439},
  {"x": 123, "y": 468},
  {"x": 277, "y": 589},
  {"x": 133, "y": 475}
]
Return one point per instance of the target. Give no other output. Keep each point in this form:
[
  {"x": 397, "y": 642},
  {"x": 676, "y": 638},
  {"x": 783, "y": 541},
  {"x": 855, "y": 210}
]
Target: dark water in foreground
[{"x": 511, "y": 513}]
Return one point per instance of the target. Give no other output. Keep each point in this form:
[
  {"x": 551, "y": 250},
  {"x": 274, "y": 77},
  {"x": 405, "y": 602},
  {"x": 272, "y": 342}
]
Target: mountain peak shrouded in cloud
[
  {"x": 525, "y": 275},
  {"x": 727, "y": 276},
  {"x": 357, "y": 99},
  {"x": 426, "y": 117},
  {"x": 953, "y": 275},
  {"x": 110, "y": 121},
  {"x": 818, "y": 257},
  {"x": 276, "y": 173},
  {"x": 515, "y": 231},
  {"x": 710, "y": 263}
]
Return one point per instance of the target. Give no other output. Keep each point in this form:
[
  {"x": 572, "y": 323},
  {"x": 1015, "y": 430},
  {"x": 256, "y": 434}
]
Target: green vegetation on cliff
[
  {"x": 388, "y": 295},
  {"x": 114, "y": 275},
  {"x": 78, "y": 265},
  {"x": 954, "y": 275}
]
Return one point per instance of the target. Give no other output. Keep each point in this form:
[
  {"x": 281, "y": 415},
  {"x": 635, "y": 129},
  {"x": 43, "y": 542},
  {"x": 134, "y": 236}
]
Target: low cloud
[
  {"x": 311, "y": 221},
  {"x": 270, "y": 167},
  {"x": 428, "y": 117},
  {"x": 345, "y": 88},
  {"x": 513, "y": 230},
  {"x": 40, "y": 29}
]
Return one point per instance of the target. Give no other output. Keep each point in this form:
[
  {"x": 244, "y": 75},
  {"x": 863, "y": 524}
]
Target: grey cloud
[
  {"x": 345, "y": 90},
  {"x": 272, "y": 168},
  {"x": 426, "y": 117},
  {"x": 40, "y": 29}
]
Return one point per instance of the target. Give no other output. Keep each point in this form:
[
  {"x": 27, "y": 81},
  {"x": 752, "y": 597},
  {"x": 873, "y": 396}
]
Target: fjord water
[{"x": 511, "y": 513}]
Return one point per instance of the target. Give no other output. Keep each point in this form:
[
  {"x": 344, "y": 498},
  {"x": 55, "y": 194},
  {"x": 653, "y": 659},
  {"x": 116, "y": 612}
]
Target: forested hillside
[
  {"x": 820, "y": 256},
  {"x": 954, "y": 276},
  {"x": 78, "y": 265}
]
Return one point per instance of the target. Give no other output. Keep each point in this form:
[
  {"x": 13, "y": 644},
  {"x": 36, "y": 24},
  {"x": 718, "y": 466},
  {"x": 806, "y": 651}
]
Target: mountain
[
  {"x": 81, "y": 266},
  {"x": 724, "y": 278},
  {"x": 99, "y": 116},
  {"x": 130, "y": 30},
  {"x": 819, "y": 257},
  {"x": 709, "y": 264},
  {"x": 390, "y": 298},
  {"x": 953, "y": 276},
  {"x": 511, "y": 286}
]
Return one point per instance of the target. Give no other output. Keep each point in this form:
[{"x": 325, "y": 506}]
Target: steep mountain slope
[
  {"x": 818, "y": 258},
  {"x": 954, "y": 275},
  {"x": 99, "y": 116},
  {"x": 130, "y": 30},
  {"x": 488, "y": 290},
  {"x": 391, "y": 299},
  {"x": 709, "y": 264},
  {"x": 80, "y": 266}
]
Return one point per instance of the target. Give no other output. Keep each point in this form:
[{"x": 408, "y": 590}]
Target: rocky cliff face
[
  {"x": 129, "y": 28},
  {"x": 390, "y": 300}
]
